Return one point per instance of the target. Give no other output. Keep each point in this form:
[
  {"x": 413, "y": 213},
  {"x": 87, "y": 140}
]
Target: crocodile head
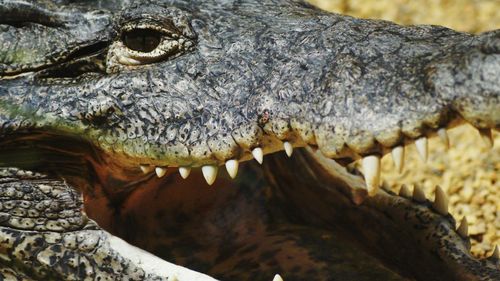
[{"x": 115, "y": 98}]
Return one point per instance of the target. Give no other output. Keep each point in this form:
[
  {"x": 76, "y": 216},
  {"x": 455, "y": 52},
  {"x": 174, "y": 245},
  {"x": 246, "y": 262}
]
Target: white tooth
[
  {"x": 463, "y": 228},
  {"x": 496, "y": 253},
  {"x": 440, "y": 201},
  {"x": 160, "y": 171},
  {"x": 385, "y": 186},
  {"x": 232, "y": 167},
  {"x": 398, "y": 156},
  {"x": 443, "y": 135},
  {"x": 209, "y": 173},
  {"x": 173, "y": 278},
  {"x": 418, "y": 194},
  {"x": 487, "y": 137},
  {"x": 145, "y": 168},
  {"x": 184, "y": 171},
  {"x": 422, "y": 148},
  {"x": 258, "y": 154},
  {"x": 371, "y": 170},
  {"x": 405, "y": 191},
  {"x": 277, "y": 277},
  {"x": 288, "y": 148}
]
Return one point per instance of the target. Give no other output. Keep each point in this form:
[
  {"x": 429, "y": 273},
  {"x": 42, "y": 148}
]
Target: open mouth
[
  {"x": 299, "y": 214},
  {"x": 239, "y": 139}
]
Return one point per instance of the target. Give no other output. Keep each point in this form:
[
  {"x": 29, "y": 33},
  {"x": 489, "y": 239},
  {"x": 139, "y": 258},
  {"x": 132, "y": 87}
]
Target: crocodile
[{"x": 115, "y": 117}]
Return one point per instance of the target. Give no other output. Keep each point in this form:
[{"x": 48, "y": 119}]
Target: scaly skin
[
  {"x": 224, "y": 78},
  {"x": 45, "y": 215}
]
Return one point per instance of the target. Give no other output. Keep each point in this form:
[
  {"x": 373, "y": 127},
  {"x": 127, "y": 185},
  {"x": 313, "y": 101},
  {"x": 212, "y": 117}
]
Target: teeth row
[
  {"x": 210, "y": 171},
  {"x": 371, "y": 163},
  {"x": 440, "y": 205}
]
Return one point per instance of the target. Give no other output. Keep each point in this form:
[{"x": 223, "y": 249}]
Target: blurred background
[
  {"x": 464, "y": 15},
  {"x": 469, "y": 171}
]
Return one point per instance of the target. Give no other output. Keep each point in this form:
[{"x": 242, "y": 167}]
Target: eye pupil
[{"x": 142, "y": 40}]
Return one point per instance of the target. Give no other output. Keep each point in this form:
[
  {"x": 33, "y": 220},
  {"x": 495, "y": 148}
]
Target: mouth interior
[{"x": 308, "y": 206}]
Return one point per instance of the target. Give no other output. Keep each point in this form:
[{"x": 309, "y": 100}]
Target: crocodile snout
[{"x": 469, "y": 79}]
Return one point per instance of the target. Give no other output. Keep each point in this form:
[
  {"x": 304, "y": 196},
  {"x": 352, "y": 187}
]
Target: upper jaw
[
  {"x": 357, "y": 96},
  {"x": 468, "y": 78},
  {"x": 267, "y": 135}
]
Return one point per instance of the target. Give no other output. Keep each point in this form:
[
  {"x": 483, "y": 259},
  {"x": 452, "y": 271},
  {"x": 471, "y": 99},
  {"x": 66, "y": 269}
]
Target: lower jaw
[
  {"x": 468, "y": 173},
  {"x": 159, "y": 214},
  {"x": 212, "y": 229}
]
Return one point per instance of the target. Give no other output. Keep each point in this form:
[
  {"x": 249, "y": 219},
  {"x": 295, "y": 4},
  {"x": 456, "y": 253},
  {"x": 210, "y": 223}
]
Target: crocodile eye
[
  {"x": 146, "y": 42},
  {"x": 142, "y": 40}
]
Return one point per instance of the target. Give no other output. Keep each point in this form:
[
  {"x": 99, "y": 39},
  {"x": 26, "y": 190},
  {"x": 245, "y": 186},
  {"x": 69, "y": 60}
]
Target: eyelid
[
  {"x": 167, "y": 31},
  {"x": 164, "y": 48}
]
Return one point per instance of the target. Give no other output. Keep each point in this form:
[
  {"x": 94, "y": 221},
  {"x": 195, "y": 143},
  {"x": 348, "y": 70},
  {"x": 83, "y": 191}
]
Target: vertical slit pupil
[{"x": 142, "y": 40}]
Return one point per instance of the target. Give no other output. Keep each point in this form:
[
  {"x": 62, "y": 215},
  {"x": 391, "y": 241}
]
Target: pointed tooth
[
  {"x": 210, "y": 173},
  {"x": 258, "y": 154},
  {"x": 173, "y": 278},
  {"x": 160, "y": 171},
  {"x": 277, "y": 277},
  {"x": 486, "y": 136},
  {"x": 422, "y": 148},
  {"x": 184, "y": 171},
  {"x": 405, "y": 191},
  {"x": 145, "y": 168},
  {"x": 232, "y": 167},
  {"x": 443, "y": 135},
  {"x": 398, "y": 156},
  {"x": 385, "y": 186},
  {"x": 440, "y": 204},
  {"x": 496, "y": 254},
  {"x": 418, "y": 194},
  {"x": 371, "y": 170},
  {"x": 288, "y": 148},
  {"x": 463, "y": 228}
]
